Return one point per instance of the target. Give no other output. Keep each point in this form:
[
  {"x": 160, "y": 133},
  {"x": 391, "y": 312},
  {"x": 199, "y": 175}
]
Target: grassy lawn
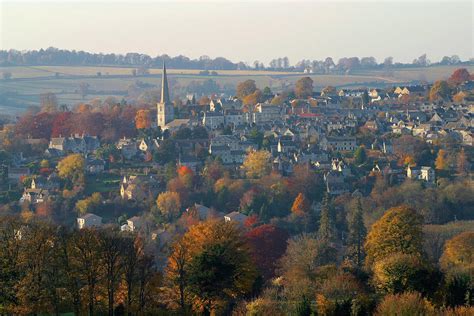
[{"x": 102, "y": 183}]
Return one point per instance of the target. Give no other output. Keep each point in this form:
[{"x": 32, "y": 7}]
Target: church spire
[{"x": 165, "y": 95}]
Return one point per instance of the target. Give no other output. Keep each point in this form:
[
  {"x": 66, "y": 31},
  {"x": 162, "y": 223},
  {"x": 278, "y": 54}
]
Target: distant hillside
[
  {"x": 27, "y": 83},
  {"x": 60, "y": 57}
]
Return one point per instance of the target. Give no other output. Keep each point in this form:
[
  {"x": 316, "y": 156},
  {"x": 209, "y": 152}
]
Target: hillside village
[{"x": 248, "y": 159}]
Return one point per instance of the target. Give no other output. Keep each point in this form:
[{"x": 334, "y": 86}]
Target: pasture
[{"x": 28, "y": 83}]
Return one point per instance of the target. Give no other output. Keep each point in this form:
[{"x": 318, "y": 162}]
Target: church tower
[{"x": 165, "y": 110}]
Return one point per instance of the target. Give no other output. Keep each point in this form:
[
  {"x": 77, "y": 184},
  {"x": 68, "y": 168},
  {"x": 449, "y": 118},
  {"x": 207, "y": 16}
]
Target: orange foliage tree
[
  {"x": 301, "y": 205},
  {"x": 143, "y": 119},
  {"x": 195, "y": 266}
]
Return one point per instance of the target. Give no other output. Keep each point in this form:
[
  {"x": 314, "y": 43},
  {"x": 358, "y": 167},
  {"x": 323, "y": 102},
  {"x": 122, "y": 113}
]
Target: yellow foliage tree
[
  {"x": 398, "y": 231},
  {"x": 441, "y": 163},
  {"x": 72, "y": 167},
  {"x": 89, "y": 204},
  {"x": 440, "y": 89},
  {"x": 459, "y": 252},
  {"x": 169, "y": 203},
  {"x": 257, "y": 164},
  {"x": 409, "y": 303}
]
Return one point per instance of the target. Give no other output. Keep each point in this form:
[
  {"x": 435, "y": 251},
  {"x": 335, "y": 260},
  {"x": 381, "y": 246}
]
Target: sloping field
[{"x": 27, "y": 83}]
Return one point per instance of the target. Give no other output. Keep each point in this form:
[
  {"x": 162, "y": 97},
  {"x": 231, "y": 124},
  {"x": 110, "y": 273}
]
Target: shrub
[{"x": 410, "y": 303}]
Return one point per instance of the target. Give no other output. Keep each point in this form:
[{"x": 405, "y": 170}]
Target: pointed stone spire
[{"x": 165, "y": 95}]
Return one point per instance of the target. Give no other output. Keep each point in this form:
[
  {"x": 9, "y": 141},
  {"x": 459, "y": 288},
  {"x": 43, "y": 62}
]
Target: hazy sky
[{"x": 246, "y": 30}]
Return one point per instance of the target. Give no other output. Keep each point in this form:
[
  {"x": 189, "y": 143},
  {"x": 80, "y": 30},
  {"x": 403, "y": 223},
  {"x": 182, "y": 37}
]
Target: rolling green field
[{"x": 27, "y": 83}]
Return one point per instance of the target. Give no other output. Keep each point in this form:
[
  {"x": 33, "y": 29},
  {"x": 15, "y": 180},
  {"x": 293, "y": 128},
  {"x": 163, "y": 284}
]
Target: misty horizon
[{"x": 246, "y": 32}]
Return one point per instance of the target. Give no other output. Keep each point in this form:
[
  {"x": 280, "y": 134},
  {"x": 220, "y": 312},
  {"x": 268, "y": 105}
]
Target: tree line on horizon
[{"x": 54, "y": 56}]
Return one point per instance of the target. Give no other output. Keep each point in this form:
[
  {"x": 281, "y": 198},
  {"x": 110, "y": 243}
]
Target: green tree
[
  {"x": 357, "y": 234},
  {"x": 212, "y": 263},
  {"x": 360, "y": 155},
  {"x": 267, "y": 92},
  {"x": 327, "y": 229},
  {"x": 365, "y": 97},
  {"x": 213, "y": 273},
  {"x": 304, "y": 307}
]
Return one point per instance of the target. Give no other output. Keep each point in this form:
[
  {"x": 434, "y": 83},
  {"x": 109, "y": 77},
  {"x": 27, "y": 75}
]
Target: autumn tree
[
  {"x": 143, "y": 119},
  {"x": 400, "y": 272},
  {"x": 86, "y": 260},
  {"x": 460, "y": 96},
  {"x": 61, "y": 125},
  {"x": 301, "y": 205},
  {"x": 35, "y": 290},
  {"x": 462, "y": 163},
  {"x": 328, "y": 90},
  {"x": 357, "y": 234},
  {"x": 440, "y": 89},
  {"x": 169, "y": 204},
  {"x": 89, "y": 204},
  {"x": 253, "y": 98},
  {"x": 340, "y": 292},
  {"x": 398, "y": 231},
  {"x": 212, "y": 264},
  {"x": 410, "y": 303},
  {"x": 459, "y": 76},
  {"x": 441, "y": 163},
  {"x": 267, "y": 244},
  {"x": 245, "y": 88},
  {"x": 457, "y": 262},
  {"x": 301, "y": 264},
  {"x": 459, "y": 252},
  {"x": 186, "y": 175},
  {"x": 111, "y": 250},
  {"x": 72, "y": 167},
  {"x": 204, "y": 101},
  {"x": 257, "y": 164},
  {"x": 133, "y": 252},
  {"x": 304, "y": 88},
  {"x": 278, "y": 100}
]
